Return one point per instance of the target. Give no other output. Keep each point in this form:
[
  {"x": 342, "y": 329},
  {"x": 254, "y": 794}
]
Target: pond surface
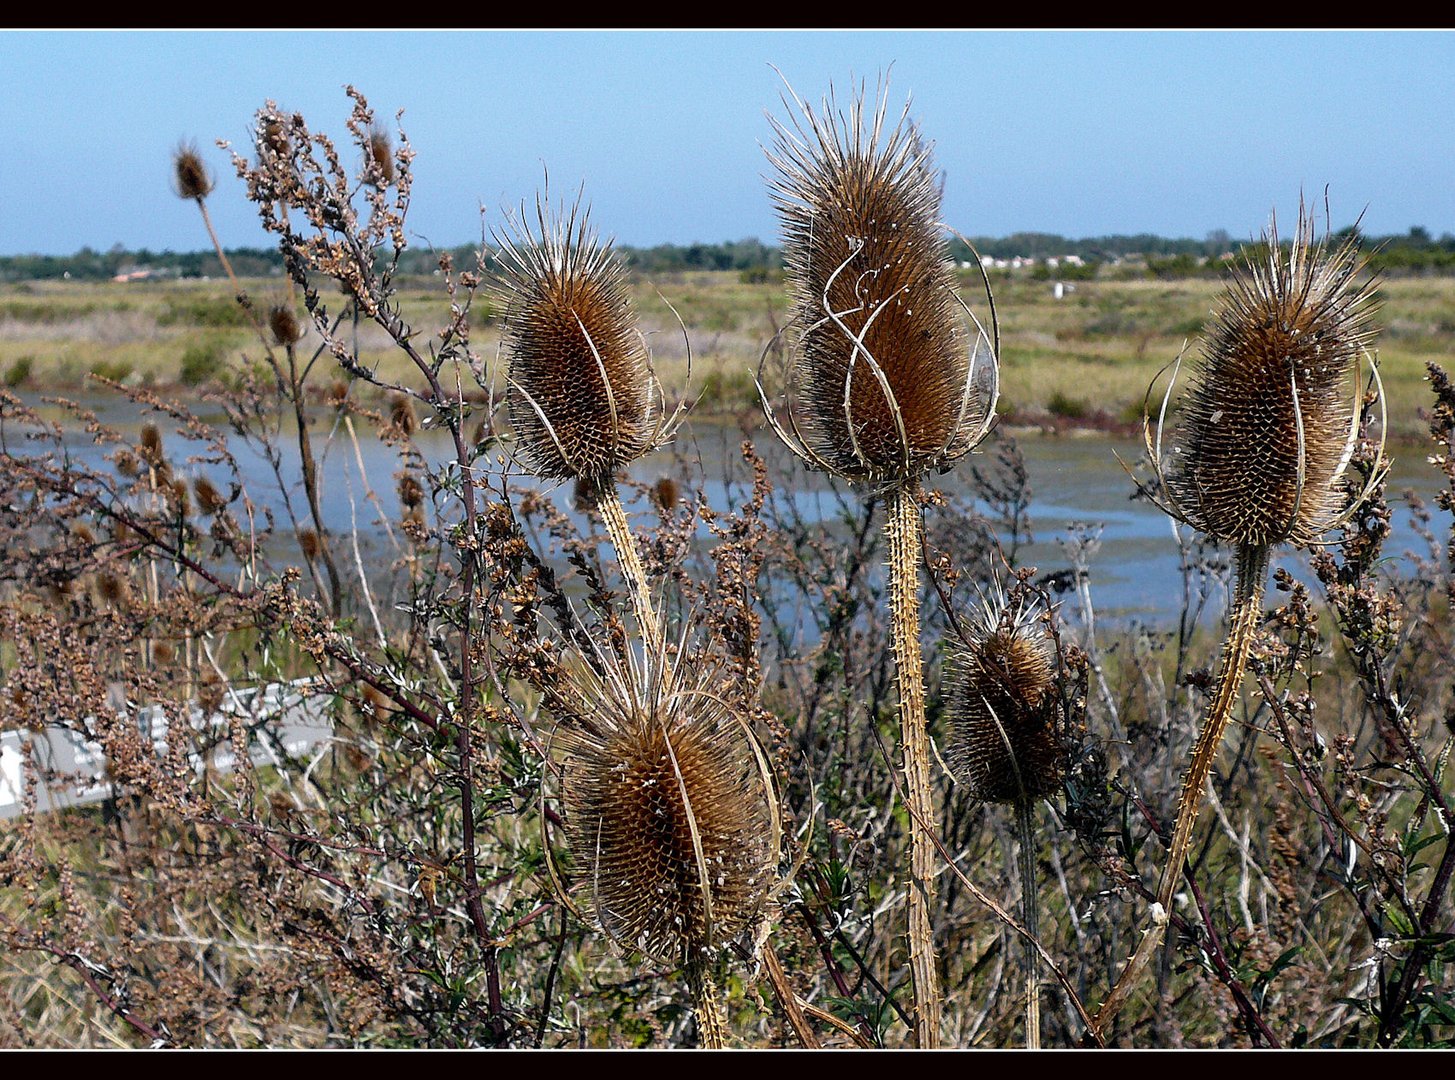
[{"x": 1076, "y": 484}]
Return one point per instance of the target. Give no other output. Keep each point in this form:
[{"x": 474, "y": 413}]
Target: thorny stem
[
  {"x": 1025, "y": 809},
  {"x": 1252, "y": 574},
  {"x": 613, "y": 515},
  {"x": 706, "y": 1005},
  {"x": 773, "y": 968},
  {"x": 904, "y": 529}
]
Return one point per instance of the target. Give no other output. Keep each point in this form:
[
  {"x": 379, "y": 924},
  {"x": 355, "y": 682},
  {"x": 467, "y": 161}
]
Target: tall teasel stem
[
  {"x": 1025, "y": 812},
  {"x": 890, "y": 376},
  {"x": 1259, "y": 457},
  {"x": 905, "y": 539},
  {"x": 613, "y": 516},
  {"x": 707, "y": 1005}
]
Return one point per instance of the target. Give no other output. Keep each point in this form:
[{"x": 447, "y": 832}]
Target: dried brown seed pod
[
  {"x": 190, "y": 176},
  {"x": 401, "y": 414},
  {"x": 886, "y": 381},
  {"x": 1271, "y": 419},
  {"x": 178, "y": 497},
  {"x": 670, "y": 808},
  {"x": 1002, "y": 703},
  {"x": 582, "y": 397},
  {"x": 308, "y": 544},
  {"x": 411, "y": 493},
  {"x": 151, "y": 444},
  {"x": 666, "y": 493},
  {"x": 115, "y": 590},
  {"x": 284, "y": 324},
  {"x": 209, "y": 499},
  {"x": 379, "y": 166}
]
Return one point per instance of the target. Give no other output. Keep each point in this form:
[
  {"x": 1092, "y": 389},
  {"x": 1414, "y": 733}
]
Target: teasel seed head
[
  {"x": 582, "y": 396},
  {"x": 209, "y": 500},
  {"x": 886, "y": 380},
  {"x": 283, "y": 322},
  {"x": 308, "y": 543},
  {"x": 411, "y": 493},
  {"x": 666, "y": 493},
  {"x": 402, "y": 417},
  {"x": 1271, "y": 418},
  {"x": 151, "y": 445},
  {"x": 1002, "y": 701},
  {"x": 670, "y": 806},
  {"x": 190, "y": 176},
  {"x": 379, "y": 167}
]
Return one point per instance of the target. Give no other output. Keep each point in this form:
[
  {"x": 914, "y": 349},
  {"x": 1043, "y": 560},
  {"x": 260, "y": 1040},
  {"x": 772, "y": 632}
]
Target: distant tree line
[{"x": 1415, "y": 252}]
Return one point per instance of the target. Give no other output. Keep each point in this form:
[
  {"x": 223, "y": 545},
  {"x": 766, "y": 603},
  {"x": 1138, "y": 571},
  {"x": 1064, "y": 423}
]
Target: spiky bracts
[
  {"x": 1002, "y": 703},
  {"x": 884, "y": 373},
  {"x": 190, "y": 176},
  {"x": 1268, "y": 422},
  {"x": 670, "y": 810},
  {"x": 581, "y": 389}
]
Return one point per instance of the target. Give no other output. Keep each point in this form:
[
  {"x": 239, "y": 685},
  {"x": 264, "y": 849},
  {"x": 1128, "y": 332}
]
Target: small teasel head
[
  {"x": 284, "y": 323},
  {"x": 889, "y": 375},
  {"x": 379, "y": 163},
  {"x": 582, "y": 395},
  {"x": 1003, "y": 702},
  {"x": 670, "y": 805},
  {"x": 190, "y": 176},
  {"x": 1272, "y": 417}
]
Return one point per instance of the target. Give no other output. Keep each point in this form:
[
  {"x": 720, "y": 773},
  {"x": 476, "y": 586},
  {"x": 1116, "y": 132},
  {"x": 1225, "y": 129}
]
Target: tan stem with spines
[
  {"x": 1252, "y": 574},
  {"x": 706, "y": 1005},
  {"x": 904, "y": 532},
  {"x": 613, "y": 515},
  {"x": 1025, "y": 810}
]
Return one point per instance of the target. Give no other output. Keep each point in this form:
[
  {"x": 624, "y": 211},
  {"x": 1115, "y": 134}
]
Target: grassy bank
[{"x": 1085, "y": 358}]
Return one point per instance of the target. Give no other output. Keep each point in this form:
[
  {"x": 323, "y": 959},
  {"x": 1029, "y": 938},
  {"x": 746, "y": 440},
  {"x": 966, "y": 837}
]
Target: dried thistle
[
  {"x": 411, "y": 493},
  {"x": 890, "y": 384},
  {"x": 379, "y": 163},
  {"x": 209, "y": 500},
  {"x": 151, "y": 445},
  {"x": 402, "y": 418},
  {"x": 191, "y": 179},
  {"x": 887, "y": 376},
  {"x": 1269, "y": 427},
  {"x": 284, "y": 324},
  {"x": 670, "y": 808},
  {"x": 1001, "y": 700},
  {"x": 666, "y": 493},
  {"x": 582, "y": 396},
  {"x": 1270, "y": 422}
]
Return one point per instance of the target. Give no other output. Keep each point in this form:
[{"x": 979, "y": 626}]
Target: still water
[{"x": 1076, "y": 486}]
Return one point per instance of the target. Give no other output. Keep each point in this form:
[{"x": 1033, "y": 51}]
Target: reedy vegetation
[{"x": 395, "y": 889}]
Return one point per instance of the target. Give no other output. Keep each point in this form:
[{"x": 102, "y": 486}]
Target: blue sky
[{"x": 1079, "y": 133}]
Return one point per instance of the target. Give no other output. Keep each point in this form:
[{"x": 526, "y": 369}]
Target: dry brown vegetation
[{"x": 428, "y": 874}]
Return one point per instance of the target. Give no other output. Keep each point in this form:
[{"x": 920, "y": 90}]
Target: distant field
[{"x": 1092, "y": 352}]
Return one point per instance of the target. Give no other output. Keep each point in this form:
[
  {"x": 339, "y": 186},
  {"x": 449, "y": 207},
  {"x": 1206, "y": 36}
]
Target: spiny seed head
[
  {"x": 666, "y": 493},
  {"x": 401, "y": 414},
  {"x": 888, "y": 381},
  {"x": 178, "y": 497},
  {"x": 380, "y": 164},
  {"x": 1266, "y": 430},
  {"x": 190, "y": 176},
  {"x": 209, "y": 499},
  {"x": 411, "y": 494},
  {"x": 115, "y": 590},
  {"x": 151, "y": 444},
  {"x": 284, "y": 324},
  {"x": 670, "y": 811},
  {"x": 1002, "y": 702},
  {"x": 581, "y": 386},
  {"x": 308, "y": 544}
]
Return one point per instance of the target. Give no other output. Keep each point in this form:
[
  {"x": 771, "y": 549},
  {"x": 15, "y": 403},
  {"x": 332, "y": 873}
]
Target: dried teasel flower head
[
  {"x": 379, "y": 160},
  {"x": 151, "y": 445},
  {"x": 210, "y": 500},
  {"x": 411, "y": 492},
  {"x": 1002, "y": 701},
  {"x": 284, "y": 324},
  {"x": 1271, "y": 419},
  {"x": 190, "y": 177},
  {"x": 889, "y": 374},
  {"x": 666, "y": 493},
  {"x": 670, "y": 806},
  {"x": 582, "y": 396}
]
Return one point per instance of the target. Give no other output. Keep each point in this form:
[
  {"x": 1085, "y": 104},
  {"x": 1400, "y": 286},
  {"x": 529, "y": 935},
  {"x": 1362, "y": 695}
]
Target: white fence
[{"x": 284, "y": 718}]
